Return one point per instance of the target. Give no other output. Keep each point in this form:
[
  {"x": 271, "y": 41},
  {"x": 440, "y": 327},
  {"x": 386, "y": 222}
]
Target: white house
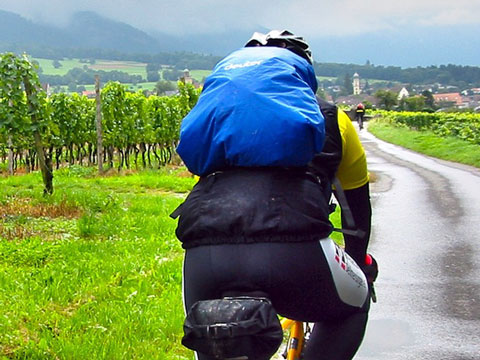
[{"x": 403, "y": 94}]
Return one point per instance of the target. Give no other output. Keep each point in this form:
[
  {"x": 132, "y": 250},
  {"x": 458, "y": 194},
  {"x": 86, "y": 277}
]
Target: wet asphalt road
[{"x": 426, "y": 238}]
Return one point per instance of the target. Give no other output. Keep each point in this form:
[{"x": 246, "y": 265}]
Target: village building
[
  {"x": 188, "y": 79},
  {"x": 403, "y": 94},
  {"x": 89, "y": 93},
  {"x": 454, "y": 99}
]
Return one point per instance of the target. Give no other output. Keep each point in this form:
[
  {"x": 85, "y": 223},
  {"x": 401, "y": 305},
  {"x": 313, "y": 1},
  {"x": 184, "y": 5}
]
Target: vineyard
[
  {"x": 122, "y": 129},
  {"x": 465, "y": 126},
  {"x": 50, "y": 132}
]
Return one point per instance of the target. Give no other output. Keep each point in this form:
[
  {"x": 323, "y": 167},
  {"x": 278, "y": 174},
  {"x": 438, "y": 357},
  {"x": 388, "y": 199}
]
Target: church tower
[{"x": 356, "y": 84}]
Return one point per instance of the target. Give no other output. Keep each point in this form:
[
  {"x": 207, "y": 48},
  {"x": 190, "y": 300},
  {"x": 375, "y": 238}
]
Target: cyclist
[
  {"x": 359, "y": 114},
  {"x": 266, "y": 229}
]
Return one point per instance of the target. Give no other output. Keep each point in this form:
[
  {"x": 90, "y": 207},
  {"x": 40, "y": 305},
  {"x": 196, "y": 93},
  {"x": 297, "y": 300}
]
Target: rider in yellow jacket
[{"x": 267, "y": 228}]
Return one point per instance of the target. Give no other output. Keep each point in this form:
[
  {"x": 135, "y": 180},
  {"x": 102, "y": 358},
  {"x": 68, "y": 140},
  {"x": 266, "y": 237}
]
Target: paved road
[{"x": 426, "y": 237}]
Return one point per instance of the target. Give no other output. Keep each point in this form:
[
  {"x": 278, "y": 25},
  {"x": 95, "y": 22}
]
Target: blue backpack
[{"x": 257, "y": 108}]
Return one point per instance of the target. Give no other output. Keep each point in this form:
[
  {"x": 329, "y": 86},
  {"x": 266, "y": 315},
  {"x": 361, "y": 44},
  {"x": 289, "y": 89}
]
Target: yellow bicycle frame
[{"x": 296, "y": 338}]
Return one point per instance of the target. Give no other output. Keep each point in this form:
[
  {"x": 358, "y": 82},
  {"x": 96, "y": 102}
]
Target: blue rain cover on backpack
[{"x": 257, "y": 108}]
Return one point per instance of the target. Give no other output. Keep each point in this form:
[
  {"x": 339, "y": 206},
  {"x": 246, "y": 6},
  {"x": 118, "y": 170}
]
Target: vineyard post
[
  {"x": 99, "y": 125},
  {"x": 10, "y": 154},
  {"x": 10, "y": 147}
]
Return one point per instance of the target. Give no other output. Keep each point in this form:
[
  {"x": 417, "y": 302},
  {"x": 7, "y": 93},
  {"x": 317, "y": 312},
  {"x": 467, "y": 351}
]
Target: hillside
[{"x": 30, "y": 34}]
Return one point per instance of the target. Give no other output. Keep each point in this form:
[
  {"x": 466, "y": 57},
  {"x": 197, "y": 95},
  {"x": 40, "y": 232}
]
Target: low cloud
[{"x": 311, "y": 18}]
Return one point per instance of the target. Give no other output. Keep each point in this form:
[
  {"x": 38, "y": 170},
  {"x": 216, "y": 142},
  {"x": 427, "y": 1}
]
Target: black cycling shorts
[{"x": 297, "y": 277}]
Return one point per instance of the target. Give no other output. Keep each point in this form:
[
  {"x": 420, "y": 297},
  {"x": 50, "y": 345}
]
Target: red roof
[
  {"x": 89, "y": 93},
  {"x": 449, "y": 97}
]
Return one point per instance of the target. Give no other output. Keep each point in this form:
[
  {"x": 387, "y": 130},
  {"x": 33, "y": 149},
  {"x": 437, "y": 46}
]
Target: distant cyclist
[
  {"x": 359, "y": 115},
  {"x": 266, "y": 228}
]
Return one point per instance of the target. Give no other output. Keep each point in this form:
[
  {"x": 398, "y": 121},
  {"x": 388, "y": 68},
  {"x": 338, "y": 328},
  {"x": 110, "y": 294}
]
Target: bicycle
[
  {"x": 240, "y": 325},
  {"x": 297, "y": 338}
]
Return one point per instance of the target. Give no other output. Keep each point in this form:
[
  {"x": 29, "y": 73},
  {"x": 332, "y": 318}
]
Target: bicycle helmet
[{"x": 284, "y": 39}]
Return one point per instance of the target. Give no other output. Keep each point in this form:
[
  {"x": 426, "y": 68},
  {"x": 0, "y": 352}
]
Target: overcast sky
[
  {"x": 308, "y": 17},
  {"x": 313, "y": 19}
]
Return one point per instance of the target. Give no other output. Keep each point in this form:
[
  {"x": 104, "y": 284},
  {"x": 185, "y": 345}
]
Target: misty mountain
[
  {"x": 95, "y": 31},
  {"x": 88, "y": 30},
  {"x": 84, "y": 30},
  {"x": 408, "y": 47},
  {"x": 15, "y": 29}
]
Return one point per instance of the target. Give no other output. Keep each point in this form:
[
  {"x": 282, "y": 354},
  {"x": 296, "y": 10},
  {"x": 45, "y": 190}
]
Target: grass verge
[{"x": 426, "y": 142}]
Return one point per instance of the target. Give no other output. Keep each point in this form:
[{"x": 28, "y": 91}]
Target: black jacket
[{"x": 245, "y": 205}]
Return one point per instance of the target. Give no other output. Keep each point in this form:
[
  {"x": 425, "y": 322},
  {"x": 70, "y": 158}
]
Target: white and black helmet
[{"x": 283, "y": 39}]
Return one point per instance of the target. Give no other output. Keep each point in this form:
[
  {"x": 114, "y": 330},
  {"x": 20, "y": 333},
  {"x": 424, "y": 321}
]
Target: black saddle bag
[{"x": 233, "y": 327}]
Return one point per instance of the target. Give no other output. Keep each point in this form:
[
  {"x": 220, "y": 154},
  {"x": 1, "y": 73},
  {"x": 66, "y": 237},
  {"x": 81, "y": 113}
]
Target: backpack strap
[{"x": 346, "y": 212}]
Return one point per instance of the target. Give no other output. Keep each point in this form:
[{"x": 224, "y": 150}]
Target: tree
[
  {"x": 72, "y": 87},
  {"x": 163, "y": 86},
  {"x": 366, "y": 88},
  {"x": 56, "y": 64},
  {"x": 386, "y": 99},
  {"x": 429, "y": 100},
  {"x": 153, "y": 67},
  {"x": 348, "y": 84},
  {"x": 153, "y": 76},
  {"x": 172, "y": 75},
  {"x": 414, "y": 103}
]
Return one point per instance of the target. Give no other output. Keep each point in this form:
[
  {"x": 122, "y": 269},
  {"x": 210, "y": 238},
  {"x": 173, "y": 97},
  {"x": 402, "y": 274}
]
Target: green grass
[
  {"x": 67, "y": 65},
  {"x": 323, "y": 78},
  {"x": 95, "y": 270},
  {"x": 426, "y": 142},
  {"x": 199, "y": 74},
  {"x": 130, "y": 67}
]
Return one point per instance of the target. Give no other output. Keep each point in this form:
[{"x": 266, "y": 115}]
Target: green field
[
  {"x": 199, "y": 75},
  {"x": 130, "y": 67},
  {"x": 49, "y": 69},
  {"x": 95, "y": 270}
]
